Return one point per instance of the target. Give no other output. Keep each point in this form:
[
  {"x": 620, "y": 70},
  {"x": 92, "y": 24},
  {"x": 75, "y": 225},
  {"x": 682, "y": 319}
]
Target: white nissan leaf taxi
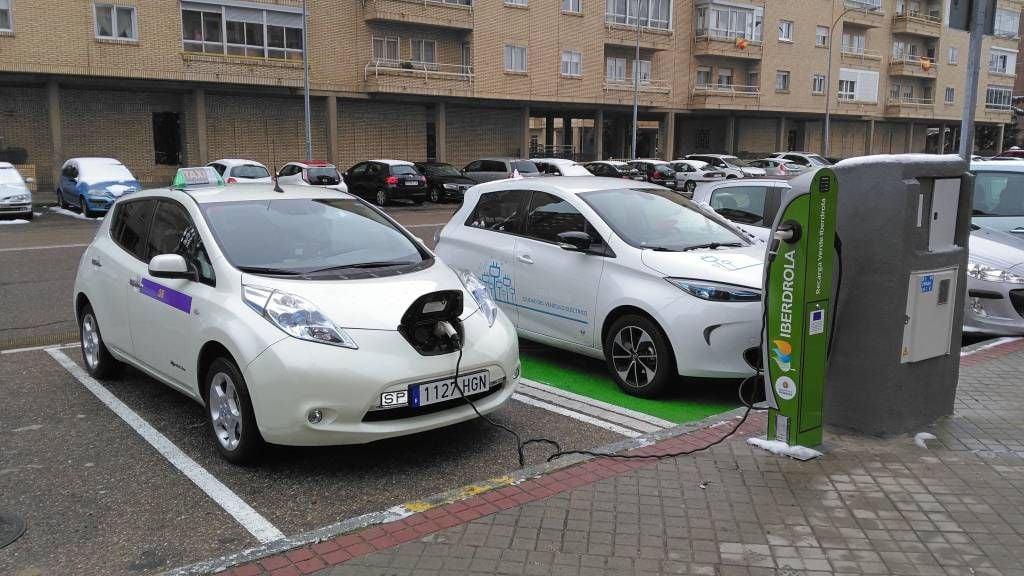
[{"x": 295, "y": 315}]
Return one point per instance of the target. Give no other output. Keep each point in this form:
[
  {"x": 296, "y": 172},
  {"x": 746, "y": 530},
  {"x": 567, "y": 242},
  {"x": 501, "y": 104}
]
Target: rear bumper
[{"x": 407, "y": 191}]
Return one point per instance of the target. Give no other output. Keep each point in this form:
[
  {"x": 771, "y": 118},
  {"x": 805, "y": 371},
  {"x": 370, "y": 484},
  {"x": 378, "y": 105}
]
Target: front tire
[
  {"x": 60, "y": 199},
  {"x": 98, "y": 360},
  {"x": 86, "y": 211},
  {"x": 229, "y": 412},
  {"x": 381, "y": 197},
  {"x": 638, "y": 356},
  {"x": 690, "y": 187}
]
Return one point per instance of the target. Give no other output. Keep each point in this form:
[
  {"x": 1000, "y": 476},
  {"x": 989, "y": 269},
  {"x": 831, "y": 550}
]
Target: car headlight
[
  {"x": 716, "y": 292},
  {"x": 451, "y": 186},
  {"x": 17, "y": 199},
  {"x": 990, "y": 274},
  {"x": 481, "y": 294},
  {"x": 295, "y": 316}
]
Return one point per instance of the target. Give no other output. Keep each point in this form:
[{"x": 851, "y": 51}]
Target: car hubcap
[
  {"x": 381, "y": 197},
  {"x": 224, "y": 412},
  {"x": 434, "y": 196},
  {"x": 90, "y": 341},
  {"x": 634, "y": 356}
]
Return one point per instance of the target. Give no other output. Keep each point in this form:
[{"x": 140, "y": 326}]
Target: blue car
[{"x": 92, "y": 184}]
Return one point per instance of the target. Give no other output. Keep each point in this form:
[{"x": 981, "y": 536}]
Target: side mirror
[
  {"x": 30, "y": 180},
  {"x": 170, "y": 266},
  {"x": 575, "y": 241}
]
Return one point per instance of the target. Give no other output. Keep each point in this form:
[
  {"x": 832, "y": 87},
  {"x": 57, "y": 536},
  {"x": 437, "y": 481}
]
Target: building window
[
  {"x": 6, "y": 22},
  {"x": 782, "y": 81},
  {"x": 253, "y": 32},
  {"x": 857, "y": 85},
  {"x": 516, "y": 2},
  {"x": 572, "y": 63},
  {"x": 853, "y": 43},
  {"x": 653, "y": 13},
  {"x": 1002, "y": 61},
  {"x": 785, "y": 30},
  {"x": 424, "y": 51},
  {"x": 950, "y": 95},
  {"x": 1007, "y": 23},
  {"x": 998, "y": 98},
  {"x": 615, "y": 69},
  {"x": 703, "y": 139},
  {"x": 385, "y": 50},
  {"x": 115, "y": 22},
  {"x": 703, "y": 77},
  {"x": 847, "y": 89},
  {"x": 725, "y": 76},
  {"x": 754, "y": 80},
  {"x": 643, "y": 67},
  {"x": 818, "y": 84},
  {"x": 953, "y": 55},
  {"x": 821, "y": 36},
  {"x": 515, "y": 58},
  {"x": 571, "y": 6},
  {"x": 728, "y": 23}
]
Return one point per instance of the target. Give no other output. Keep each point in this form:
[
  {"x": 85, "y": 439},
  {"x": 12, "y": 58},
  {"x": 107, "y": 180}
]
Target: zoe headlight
[
  {"x": 716, "y": 292},
  {"x": 296, "y": 316},
  {"x": 990, "y": 274},
  {"x": 481, "y": 294}
]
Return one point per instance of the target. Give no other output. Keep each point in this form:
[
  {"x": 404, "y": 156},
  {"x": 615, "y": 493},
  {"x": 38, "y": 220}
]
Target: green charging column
[{"x": 798, "y": 282}]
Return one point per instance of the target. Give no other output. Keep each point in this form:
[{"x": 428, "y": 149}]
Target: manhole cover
[{"x": 12, "y": 527}]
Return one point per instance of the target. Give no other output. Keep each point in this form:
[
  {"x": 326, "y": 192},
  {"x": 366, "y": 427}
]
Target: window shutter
[{"x": 867, "y": 86}]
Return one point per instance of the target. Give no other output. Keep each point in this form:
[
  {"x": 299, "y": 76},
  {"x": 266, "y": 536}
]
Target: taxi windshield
[
  {"x": 659, "y": 220},
  {"x": 308, "y": 236}
]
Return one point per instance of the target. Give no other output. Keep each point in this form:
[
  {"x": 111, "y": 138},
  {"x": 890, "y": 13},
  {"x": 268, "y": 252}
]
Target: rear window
[
  {"x": 743, "y": 204},
  {"x": 324, "y": 175},
  {"x": 664, "y": 170},
  {"x": 525, "y": 166},
  {"x": 249, "y": 171},
  {"x": 404, "y": 169}
]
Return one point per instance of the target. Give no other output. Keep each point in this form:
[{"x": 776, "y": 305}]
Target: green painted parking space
[{"x": 691, "y": 400}]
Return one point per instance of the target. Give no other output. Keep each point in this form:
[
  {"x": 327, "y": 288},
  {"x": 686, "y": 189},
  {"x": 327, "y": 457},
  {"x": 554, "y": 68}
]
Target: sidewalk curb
[{"x": 323, "y": 540}]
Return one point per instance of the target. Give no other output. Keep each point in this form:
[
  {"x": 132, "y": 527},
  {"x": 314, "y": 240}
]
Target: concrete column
[
  {"x": 441, "y": 131},
  {"x": 199, "y": 100},
  {"x": 524, "y": 144},
  {"x": 567, "y": 131},
  {"x": 620, "y": 149},
  {"x": 668, "y": 136},
  {"x": 332, "y": 129},
  {"x": 942, "y": 138},
  {"x": 599, "y": 135},
  {"x": 869, "y": 137},
  {"x": 999, "y": 140},
  {"x": 780, "y": 134},
  {"x": 56, "y": 135},
  {"x": 549, "y": 130},
  {"x": 910, "y": 138},
  {"x": 730, "y": 134}
]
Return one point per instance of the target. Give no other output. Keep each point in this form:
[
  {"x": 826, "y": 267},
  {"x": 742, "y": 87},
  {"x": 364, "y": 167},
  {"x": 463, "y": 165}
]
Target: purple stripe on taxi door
[{"x": 168, "y": 296}]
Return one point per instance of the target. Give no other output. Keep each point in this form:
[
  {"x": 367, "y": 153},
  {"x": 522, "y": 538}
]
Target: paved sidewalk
[{"x": 870, "y": 506}]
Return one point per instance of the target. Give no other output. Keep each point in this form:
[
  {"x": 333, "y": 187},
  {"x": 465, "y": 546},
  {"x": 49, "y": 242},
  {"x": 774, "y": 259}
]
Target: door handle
[
  {"x": 96, "y": 262},
  {"x": 525, "y": 259},
  {"x": 134, "y": 283}
]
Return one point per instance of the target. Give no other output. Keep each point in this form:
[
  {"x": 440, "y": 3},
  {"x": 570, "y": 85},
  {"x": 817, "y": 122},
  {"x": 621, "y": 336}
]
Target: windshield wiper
[
  {"x": 712, "y": 246},
  {"x": 660, "y": 249},
  {"x": 275, "y": 271},
  {"x": 362, "y": 265}
]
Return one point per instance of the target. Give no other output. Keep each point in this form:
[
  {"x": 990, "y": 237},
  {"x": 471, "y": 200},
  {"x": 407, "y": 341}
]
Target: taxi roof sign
[{"x": 196, "y": 177}]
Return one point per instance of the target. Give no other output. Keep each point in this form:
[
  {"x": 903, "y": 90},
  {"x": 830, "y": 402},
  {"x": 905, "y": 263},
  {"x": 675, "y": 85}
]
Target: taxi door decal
[{"x": 168, "y": 296}]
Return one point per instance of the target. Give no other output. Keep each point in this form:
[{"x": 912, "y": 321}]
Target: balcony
[
  {"x": 861, "y": 57},
  {"x": 454, "y": 14},
  {"x": 621, "y": 31},
  {"x": 651, "y": 92},
  {"x": 865, "y": 13},
  {"x": 410, "y": 77},
  {"x": 1001, "y": 73},
  {"x": 731, "y": 96},
  {"x": 907, "y": 107},
  {"x": 917, "y": 23},
  {"x": 914, "y": 66},
  {"x": 718, "y": 43}
]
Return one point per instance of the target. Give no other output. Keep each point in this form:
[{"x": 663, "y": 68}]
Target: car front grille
[
  {"x": 1017, "y": 299},
  {"x": 15, "y": 207}
]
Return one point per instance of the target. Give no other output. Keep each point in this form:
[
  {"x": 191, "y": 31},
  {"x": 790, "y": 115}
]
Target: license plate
[
  {"x": 411, "y": 183},
  {"x": 441, "y": 390}
]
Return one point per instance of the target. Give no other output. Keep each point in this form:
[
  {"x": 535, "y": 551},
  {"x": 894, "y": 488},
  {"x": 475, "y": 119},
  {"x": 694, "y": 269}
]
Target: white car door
[
  {"x": 485, "y": 245},
  {"x": 557, "y": 288}
]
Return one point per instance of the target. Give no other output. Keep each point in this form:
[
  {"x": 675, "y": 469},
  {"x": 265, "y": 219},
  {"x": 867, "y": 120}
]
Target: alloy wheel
[
  {"x": 634, "y": 356},
  {"x": 90, "y": 341},
  {"x": 224, "y": 411}
]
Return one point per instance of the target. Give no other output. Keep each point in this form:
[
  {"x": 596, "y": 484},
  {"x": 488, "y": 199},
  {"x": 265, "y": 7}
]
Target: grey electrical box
[
  {"x": 942, "y": 220},
  {"x": 929, "y": 319},
  {"x": 962, "y": 11}
]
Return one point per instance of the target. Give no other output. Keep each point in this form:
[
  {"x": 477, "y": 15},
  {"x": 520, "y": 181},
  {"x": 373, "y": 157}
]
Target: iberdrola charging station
[{"x": 866, "y": 339}]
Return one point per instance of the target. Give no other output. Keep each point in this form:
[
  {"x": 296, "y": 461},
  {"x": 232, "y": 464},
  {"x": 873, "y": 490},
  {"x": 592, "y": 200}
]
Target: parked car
[
  {"x": 731, "y": 165},
  {"x": 92, "y": 184},
  {"x": 657, "y": 172},
  {"x": 999, "y": 195},
  {"x": 488, "y": 169},
  {"x": 387, "y": 180},
  {"x": 15, "y": 197},
  {"x": 690, "y": 172},
  {"x": 1012, "y": 152},
  {"x": 560, "y": 167},
  {"x": 613, "y": 169},
  {"x": 312, "y": 173},
  {"x": 444, "y": 181},
  {"x": 808, "y": 159},
  {"x": 625, "y": 271},
  {"x": 318, "y": 317},
  {"x": 235, "y": 171},
  {"x": 750, "y": 204},
  {"x": 778, "y": 167}
]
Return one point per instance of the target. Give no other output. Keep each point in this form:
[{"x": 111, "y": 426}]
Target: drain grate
[
  {"x": 43, "y": 340},
  {"x": 12, "y": 527}
]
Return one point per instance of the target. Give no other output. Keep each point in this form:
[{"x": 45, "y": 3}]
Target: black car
[
  {"x": 444, "y": 181},
  {"x": 656, "y": 172},
  {"x": 386, "y": 180},
  {"x": 613, "y": 169}
]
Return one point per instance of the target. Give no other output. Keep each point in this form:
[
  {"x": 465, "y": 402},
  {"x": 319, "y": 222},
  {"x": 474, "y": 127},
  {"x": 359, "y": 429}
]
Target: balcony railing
[
  {"x": 629, "y": 20},
  {"x": 910, "y": 102},
  {"x": 649, "y": 86},
  {"x": 426, "y": 70},
  {"x": 917, "y": 15},
  {"x": 1013, "y": 34},
  {"x": 860, "y": 53},
  {"x": 732, "y": 90},
  {"x": 998, "y": 107},
  {"x": 911, "y": 65},
  {"x": 1001, "y": 71},
  {"x": 719, "y": 35},
  {"x": 869, "y": 5}
]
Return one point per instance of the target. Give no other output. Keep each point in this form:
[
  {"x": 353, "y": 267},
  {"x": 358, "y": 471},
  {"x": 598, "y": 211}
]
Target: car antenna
[{"x": 277, "y": 185}]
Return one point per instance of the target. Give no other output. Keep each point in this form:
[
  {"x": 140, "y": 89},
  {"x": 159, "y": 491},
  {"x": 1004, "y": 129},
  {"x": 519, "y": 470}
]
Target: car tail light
[
  {"x": 782, "y": 168},
  {"x": 232, "y": 181},
  {"x": 392, "y": 180},
  {"x": 423, "y": 179},
  {"x": 305, "y": 176}
]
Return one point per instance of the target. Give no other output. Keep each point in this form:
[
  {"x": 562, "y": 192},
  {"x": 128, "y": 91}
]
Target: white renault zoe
[
  {"x": 655, "y": 284},
  {"x": 295, "y": 315}
]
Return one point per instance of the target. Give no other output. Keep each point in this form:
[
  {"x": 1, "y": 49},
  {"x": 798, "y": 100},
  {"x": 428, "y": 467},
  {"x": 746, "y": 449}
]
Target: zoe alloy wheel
[
  {"x": 638, "y": 356},
  {"x": 98, "y": 361},
  {"x": 230, "y": 414}
]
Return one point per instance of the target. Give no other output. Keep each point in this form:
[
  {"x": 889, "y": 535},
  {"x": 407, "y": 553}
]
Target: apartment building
[{"x": 160, "y": 84}]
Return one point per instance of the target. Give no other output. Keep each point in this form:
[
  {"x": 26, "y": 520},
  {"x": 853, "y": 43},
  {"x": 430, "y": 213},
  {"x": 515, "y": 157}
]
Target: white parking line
[
  {"x": 424, "y": 225},
  {"x": 250, "y": 519},
  {"x": 632, "y": 414},
  {"x": 53, "y": 247},
  {"x": 577, "y": 416},
  {"x": 34, "y": 348}
]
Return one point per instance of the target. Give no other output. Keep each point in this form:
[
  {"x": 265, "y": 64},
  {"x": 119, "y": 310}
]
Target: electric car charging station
[{"x": 864, "y": 297}]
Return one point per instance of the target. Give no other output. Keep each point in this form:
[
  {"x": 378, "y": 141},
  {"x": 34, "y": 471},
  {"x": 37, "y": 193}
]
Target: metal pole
[
  {"x": 973, "y": 71},
  {"x": 636, "y": 77},
  {"x": 828, "y": 83},
  {"x": 305, "y": 81}
]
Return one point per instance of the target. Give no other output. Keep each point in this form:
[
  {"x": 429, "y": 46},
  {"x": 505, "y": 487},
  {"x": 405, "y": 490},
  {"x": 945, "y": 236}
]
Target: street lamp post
[
  {"x": 828, "y": 81},
  {"x": 305, "y": 81},
  {"x": 636, "y": 78}
]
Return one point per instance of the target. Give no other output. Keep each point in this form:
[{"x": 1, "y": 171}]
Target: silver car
[
  {"x": 488, "y": 169},
  {"x": 731, "y": 165},
  {"x": 15, "y": 197},
  {"x": 691, "y": 172},
  {"x": 778, "y": 167}
]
